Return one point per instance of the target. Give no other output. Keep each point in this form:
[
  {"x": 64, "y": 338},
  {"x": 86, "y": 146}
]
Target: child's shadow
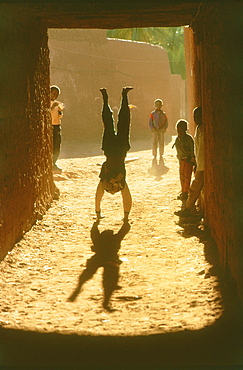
[
  {"x": 158, "y": 169},
  {"x": 105, "y": 246}
]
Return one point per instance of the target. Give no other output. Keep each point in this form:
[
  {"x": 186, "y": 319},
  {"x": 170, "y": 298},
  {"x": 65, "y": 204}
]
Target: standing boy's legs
[
  {"x": 185, "y": 176},
  {"x": 154, "y": 143},
  {"x": 194, "y": 192},
  {"x": 161, "y": 140},
  {"x": 195, "y": 189},
  {"x": 56, "y": 142}
]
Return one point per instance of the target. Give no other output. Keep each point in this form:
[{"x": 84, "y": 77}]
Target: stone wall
[
  {"x": 218, "y": 29},
  {"x": 193, "y": 76},
  {"x": 82, "y": 61},
  {"x": 26, "y": 181}
]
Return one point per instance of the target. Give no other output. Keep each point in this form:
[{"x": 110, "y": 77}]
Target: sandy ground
[{"x": 167, "y": 284}]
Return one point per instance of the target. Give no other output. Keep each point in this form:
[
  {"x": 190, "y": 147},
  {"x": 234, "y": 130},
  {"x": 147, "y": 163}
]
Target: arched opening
[{"x": 27, "y": 195}]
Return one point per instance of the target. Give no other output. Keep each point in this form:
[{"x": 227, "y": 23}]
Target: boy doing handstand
[{"x": 115, "y": 147}]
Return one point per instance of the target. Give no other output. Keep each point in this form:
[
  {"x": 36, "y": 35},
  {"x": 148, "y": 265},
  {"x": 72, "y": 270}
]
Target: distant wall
[
  {"x": 83, "y": 61},
  {"x": 26, "y": 173}
]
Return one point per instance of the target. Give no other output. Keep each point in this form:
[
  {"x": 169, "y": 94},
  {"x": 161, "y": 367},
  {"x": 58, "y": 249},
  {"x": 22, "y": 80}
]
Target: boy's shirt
[
  {"x": 185, "y": 147},
  {"x": 158, "y": 120},
  {"x": 56, "y": 112}
]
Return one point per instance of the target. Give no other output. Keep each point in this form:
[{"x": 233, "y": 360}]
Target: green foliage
[{"x": 170, "y": 38}]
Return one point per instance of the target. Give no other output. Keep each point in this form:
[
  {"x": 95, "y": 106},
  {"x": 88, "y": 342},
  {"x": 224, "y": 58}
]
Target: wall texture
[
  {"x": 193, "y": 76},
  {"x": 26, "y": 180},
  {"x": 218, "y": 29}
]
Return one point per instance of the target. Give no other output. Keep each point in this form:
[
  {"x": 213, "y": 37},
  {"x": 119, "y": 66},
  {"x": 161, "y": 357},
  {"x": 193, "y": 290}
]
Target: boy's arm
[
  {"x": 123, "y": 231},
  {"x": 151, "y": 124},
  {"x": 166, "y": 122},
  {"x": 58, "y": 104},
  {"x": 191, "y": 142},
  {"x": 191, "y": 157},
  {"x": 175, "y": 143},
  {"x": 94, "y": 233}
]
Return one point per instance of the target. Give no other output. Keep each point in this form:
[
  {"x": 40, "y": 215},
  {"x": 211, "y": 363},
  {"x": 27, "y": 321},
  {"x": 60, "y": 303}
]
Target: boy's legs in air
[
  {"x": 123, "y": 125},
  {"x": 109, "y": 135}
]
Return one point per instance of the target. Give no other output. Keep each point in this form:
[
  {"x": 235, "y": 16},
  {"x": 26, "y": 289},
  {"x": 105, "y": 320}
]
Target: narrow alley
[{"x": 166, "y": 274}]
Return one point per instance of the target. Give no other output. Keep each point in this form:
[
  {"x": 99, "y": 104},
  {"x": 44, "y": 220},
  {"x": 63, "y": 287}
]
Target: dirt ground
[{"x": 167, "y": 284}]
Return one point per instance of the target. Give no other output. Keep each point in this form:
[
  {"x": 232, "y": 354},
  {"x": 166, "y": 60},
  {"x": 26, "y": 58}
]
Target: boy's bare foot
[
  {"x": 104, "y": 92},
  {"x": 126, "y": 89}
]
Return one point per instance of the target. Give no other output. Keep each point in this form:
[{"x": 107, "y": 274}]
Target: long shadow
[
  {"x": 219, "y": 346},
  {"x": 105, "y": 247}
]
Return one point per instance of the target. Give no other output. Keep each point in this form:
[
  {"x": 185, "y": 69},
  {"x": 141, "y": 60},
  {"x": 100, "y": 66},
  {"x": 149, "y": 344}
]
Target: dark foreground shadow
[{"x": 218, "y": 346}]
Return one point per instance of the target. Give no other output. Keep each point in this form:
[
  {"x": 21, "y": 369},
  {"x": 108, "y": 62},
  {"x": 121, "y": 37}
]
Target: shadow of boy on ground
[{"x": 105, "y": 246}]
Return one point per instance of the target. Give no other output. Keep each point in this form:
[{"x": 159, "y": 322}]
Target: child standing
[
  {"x": 158, "y": 123},
  {"x": 56, "y": 115},
  {"x": 185, "y": 153}
]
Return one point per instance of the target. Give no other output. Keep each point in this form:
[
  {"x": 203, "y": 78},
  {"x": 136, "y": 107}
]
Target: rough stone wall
[
  {"x": 218, "y": 29},
  {"x": 193, "y": 77},
  {"x": 82, "y": 61},
  {"x": 26, "y": 181}
]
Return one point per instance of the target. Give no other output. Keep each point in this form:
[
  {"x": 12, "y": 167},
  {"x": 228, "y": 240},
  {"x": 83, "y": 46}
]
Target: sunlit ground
[{"x": 166, "y": 281}]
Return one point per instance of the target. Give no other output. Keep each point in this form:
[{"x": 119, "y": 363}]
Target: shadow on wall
[{"x": 83, "y": 61}]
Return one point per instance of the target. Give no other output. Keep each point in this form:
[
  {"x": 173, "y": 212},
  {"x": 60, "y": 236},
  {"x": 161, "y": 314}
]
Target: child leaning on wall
[{"x": 184, "y": 144}]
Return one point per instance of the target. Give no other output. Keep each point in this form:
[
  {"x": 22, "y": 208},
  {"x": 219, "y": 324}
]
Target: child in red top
[{"x": 185, "y": 153}]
